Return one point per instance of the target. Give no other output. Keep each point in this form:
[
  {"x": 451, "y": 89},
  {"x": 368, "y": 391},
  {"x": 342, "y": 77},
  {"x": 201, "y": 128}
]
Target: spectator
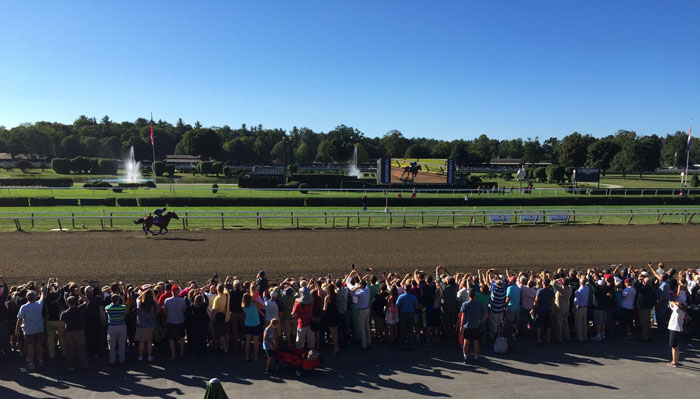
[
  {"x": 215, "y": 390},
  {"x": 72, "y": 325},
  {"x": 497, "y": 303},
  {"x": 562, "y": 305},
  {"x": 288, "y": 321},
  {"x": 116, "y": 329},
  {"x": 675, "y": 328},
  {"x": 221, "y": 317},
  {"x": 407, "y": 304},
  {"x": 252, "y": 326},
  {"x": 392, "y": 315},
  {"x": 31, "y": 323},
  {"x": 628, "y": 300},
  {"x": 54, "y": 307},
  {"x": 303, "y": 311},
  {"x": 331, "y": 318},
  {"x": 542, "y": 310},
  {"x": 513, "y": 293},
  {"x": 270, "y": 343},
  {"x": 146, "y": 322},
  {"x": 174, "y": 308},
  {"x": 474, "y": 315},
  {"x": 4, "y": 317},
  {"x": 580, "y": 308},
  {"x": 199, "y": 320},
  {"x": 646, "y": 300},
  {"x": 361, "y": 292},
  {"x": 236, "y": 313},
  {"x": 527, "y": 299}
]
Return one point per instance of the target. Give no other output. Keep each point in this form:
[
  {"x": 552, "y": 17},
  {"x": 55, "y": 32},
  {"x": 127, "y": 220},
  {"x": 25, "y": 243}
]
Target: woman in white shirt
[{"x": 675, "y": 324}]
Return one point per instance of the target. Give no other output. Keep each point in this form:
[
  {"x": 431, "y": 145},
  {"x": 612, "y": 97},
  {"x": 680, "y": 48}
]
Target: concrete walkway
[{"x": 611, "y": 369}]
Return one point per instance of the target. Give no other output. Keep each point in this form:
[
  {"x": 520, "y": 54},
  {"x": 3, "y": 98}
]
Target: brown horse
[{"x": 162, "y": 222}]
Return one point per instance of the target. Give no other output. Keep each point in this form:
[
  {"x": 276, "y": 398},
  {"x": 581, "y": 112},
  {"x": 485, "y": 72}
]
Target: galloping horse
[
  {"x": 412, "y": 172},
  {"x": 162, "y": 222}
]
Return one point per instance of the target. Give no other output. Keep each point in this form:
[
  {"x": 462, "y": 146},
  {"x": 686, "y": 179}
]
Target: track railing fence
[{"x": 224, "y": 219}]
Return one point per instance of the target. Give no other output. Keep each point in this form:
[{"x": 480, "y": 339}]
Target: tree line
[{"x": 624, "y": 151}]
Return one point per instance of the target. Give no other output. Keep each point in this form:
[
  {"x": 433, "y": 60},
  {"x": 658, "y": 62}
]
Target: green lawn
[
  {"x": 76, "y": 218},
  {"x": 80, "y": 178}
]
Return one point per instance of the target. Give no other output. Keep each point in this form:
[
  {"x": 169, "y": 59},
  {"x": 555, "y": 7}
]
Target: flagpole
[
  {"x": 153, "y": 146},
  {"x": 684, "y": 177}
]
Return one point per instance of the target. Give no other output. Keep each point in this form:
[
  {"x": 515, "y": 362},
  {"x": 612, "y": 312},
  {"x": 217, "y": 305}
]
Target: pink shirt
[{"x": 527, "y": 297}]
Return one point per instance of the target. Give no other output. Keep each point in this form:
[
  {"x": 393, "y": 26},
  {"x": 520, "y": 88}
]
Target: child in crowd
[{"x": 270, "y": 343}]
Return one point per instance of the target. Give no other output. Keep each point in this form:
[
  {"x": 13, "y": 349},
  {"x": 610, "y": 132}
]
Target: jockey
[{"x": 159, "y": 213}]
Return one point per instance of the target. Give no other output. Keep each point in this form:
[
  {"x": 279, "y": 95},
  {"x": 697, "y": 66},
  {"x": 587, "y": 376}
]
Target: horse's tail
[{"x": 139, "y": 221}]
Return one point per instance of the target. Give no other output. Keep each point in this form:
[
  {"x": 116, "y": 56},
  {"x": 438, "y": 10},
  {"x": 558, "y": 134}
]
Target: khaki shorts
[
  {"x": 34, "y": 339},
  {"x": 144, "y": 334}
]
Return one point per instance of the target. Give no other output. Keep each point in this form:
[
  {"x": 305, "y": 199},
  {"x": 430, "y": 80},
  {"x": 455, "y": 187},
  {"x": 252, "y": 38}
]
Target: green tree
[
  {"x": 417, "y": 150},
  {"x": 324, "y": 153},
  {"x": 620, "y": 163},
  {"x": 217, "y": 168},
  {"x": 532, "y": 151},
  {"x": 441, "y": 150},
  {"x": 573, "y": 149},
  {"x": 362, "y": 154},
  {"x": 277, "y": 152},
  {"x": 71, "y": 146},
  {"x": 642, "y": 155},
  {"x": 394, "y": 144},
  {"x": 304, "y": 154},
  {"x": 204, "y": 142},
  {"x": 460, "y": 154},
  {"x": 541, "y": 174},
  {"x": 601, "y": 154}
]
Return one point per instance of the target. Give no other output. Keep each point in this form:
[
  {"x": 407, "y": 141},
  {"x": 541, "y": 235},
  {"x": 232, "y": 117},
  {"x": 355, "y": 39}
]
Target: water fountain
[
  {"x": 132, "y": 168},
  {"x": 353, "y": 170}
]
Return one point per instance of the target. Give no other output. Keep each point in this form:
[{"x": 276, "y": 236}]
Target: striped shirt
[
  {"x": 116, "y": 314},
  {"x": 497, "y": 301}
]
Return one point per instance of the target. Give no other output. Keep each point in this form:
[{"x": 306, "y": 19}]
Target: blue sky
[{"x": 438, "y": 69}]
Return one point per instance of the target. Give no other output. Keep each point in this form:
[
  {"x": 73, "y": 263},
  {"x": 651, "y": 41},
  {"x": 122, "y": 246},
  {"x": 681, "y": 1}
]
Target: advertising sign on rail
[
  {"x": 530, "y": 217},
  {"x": 558, "y": 217},
  {"x": 499, "y": 218},
  {"x": 416, "y": 171}
]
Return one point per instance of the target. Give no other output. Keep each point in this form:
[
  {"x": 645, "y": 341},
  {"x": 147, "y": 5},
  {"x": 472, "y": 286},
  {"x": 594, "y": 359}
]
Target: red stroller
[{"x": 304, "y": 361}]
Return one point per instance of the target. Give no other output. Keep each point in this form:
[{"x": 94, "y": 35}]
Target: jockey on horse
[{"x": 159, "y": 214}]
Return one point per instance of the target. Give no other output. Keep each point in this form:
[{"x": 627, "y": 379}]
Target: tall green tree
[
  {"x": 601, "y": 154},
  {"x": 573, "y": 149}
]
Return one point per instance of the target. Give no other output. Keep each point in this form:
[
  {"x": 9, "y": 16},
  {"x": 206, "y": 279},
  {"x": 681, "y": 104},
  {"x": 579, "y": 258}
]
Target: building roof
[
  {"x": 183, "y": 158},
  {"x": 268, "y": 171}
]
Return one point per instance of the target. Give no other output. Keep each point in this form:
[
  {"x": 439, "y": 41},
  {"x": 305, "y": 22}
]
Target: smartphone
[{"x": 353, "y": 266}]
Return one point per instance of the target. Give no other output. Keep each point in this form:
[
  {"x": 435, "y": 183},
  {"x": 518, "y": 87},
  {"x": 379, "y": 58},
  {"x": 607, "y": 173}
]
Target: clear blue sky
[{"x": 437, "y": 69}]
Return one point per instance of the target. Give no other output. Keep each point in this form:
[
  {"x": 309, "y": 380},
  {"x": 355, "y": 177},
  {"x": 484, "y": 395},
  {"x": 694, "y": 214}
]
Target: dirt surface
[{"x": 128, "y": 256}]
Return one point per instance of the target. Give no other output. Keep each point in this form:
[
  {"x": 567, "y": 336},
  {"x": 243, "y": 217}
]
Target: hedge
[
  {"x": 36, "y": 182},
  {"x": 255, "y": 181},
  {"x": 318, "y": 180},
  {"x": 66, "y": 201},
  {"x": 14, "y": 201},
  {"x": 127, "y": 202},
  {"x": 42, "y": 201},
  {"x": 98, "y": 201}
]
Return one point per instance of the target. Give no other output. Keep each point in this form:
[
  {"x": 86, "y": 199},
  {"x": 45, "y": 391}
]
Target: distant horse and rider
[
  {"x": 161, "y": 220},
  {"x": 411, "y": 171}
]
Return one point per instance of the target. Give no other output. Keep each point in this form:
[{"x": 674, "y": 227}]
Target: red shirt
[
  {"x": 163, "y": 297},
  {"x": 304, "y": 313}
]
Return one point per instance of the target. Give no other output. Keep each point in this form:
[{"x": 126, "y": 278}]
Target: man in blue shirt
[
  {"x": 581, "y": 310},
  {"x": 31, "y": 323},
  {"x": 473, "y": 316},
  {"x": 407, "y": 304},
  {"x": 544, "y": 300},
  {"x": 513, "y": 304}
]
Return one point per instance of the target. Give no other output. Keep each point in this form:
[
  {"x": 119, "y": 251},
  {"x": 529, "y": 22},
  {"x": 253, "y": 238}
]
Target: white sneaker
[{"x": 150, "y": 358}]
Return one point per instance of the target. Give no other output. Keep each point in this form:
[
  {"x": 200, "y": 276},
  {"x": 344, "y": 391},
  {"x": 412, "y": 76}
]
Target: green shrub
[
  {"x": 205, "y": 167},
  {"x": 507, "y": 176},
  {"x": 61, "y": 166},
  {"x": 227, "y": 172},
  {"x": 80, "y": 164},
  {"x": 474, "y": 179},
  {"x": 694, "y": 181},
  {"x": 42, "y": 201},
  {"x": 303, "y": 188},
  {"x": 171, "y": 170},
  {"x": 23, "y": 165},
  {"x": 541, "y": 174},
  {"x": 568, "y": 174},
  {"x": 14, "y": 201},
  {"x": 214, "y": 188},
  {"x": 108, "y": 166},
  {"x": 36, "y": 182},
  {"x": 97, "y": 184},
  {"x": 217, "y": 168},
  {"x": 555, "y": 174},
  {"x": 530, "y": 174},
  {"x": 248, "y": 181},
  {"x": 319, "y": 180},
  {"x": 127, "y": 202},
  {"x": 160, "y": 168}
]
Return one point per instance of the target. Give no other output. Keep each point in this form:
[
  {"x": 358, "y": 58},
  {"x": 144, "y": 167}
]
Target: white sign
[
  {"x": 558, "y": 217},
  {"x": 530, "y": 217},
  {"x": 499, "y": 218}
]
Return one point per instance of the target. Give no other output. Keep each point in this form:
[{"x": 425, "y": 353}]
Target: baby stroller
[
  {"x": 505, "y": 343},
  {"x": 304, "y": 361},
  {"x": 692, "y": 324}
]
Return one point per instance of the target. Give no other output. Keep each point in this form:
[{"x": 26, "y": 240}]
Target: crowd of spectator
[{"x": 78, "y": 323}]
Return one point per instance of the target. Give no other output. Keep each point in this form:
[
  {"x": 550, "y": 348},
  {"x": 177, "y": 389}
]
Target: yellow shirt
[{"x": 221, "y": 304}]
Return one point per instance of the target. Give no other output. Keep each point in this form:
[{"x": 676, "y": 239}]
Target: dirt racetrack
[{"x": 128, "y": 256}]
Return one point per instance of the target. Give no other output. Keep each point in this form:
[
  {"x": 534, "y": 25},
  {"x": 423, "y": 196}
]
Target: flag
[
  {"x": 690, "y": 131},
  {"x": 152, "y": 143}
]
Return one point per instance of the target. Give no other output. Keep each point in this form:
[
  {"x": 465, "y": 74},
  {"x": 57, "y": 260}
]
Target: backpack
[{"x": 501, "y": 345}]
